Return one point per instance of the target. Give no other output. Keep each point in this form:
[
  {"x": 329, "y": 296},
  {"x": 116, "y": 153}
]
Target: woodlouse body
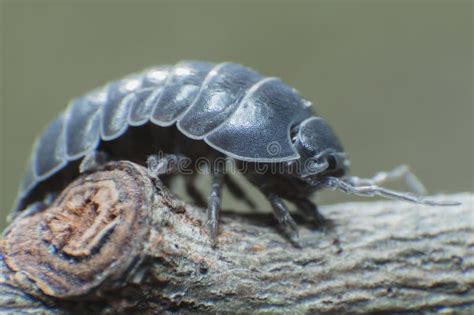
[{"x": 197, "y": 109}]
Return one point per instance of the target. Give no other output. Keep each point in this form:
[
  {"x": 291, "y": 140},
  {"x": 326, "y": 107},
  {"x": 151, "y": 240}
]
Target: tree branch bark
[{"x": 118, "y": 241}]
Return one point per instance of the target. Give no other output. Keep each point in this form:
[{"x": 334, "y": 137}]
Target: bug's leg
[
  {"x": 214, "y": 201},
  {"x": 374, "y": 190},
  {"x": 237, "y": 191},
  {"x": 309, "y": 208},
  {"x": 193, "y": 192},
  {"x": 400, "y": 172},
  {"x": 92, "y": 161},
  {"x": 281, "y": 212}
]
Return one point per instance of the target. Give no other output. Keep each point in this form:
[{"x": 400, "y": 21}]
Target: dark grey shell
[{"x": 233, "y": 109}]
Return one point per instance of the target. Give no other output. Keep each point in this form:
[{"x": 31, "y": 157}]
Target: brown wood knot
[{"x": 91, "y": 238}]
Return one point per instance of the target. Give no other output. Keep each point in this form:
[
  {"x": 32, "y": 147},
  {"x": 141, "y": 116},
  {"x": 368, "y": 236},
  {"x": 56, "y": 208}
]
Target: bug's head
[{"x": 321, "y": 153}]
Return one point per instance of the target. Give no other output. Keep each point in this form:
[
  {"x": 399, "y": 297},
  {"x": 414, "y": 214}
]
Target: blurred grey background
[{"x": 394, "y": 78}]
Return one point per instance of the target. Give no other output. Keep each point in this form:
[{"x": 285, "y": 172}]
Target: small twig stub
[{"x": 92, "y": 236}]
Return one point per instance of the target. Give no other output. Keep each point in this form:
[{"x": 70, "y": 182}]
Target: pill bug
[{"x": 199, "y": 109}]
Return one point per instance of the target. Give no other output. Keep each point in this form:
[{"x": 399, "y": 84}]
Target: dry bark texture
[{"x": 117, "y": 241}]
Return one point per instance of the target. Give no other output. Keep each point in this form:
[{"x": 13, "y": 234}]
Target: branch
[{"x": 119, "y": 241}]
